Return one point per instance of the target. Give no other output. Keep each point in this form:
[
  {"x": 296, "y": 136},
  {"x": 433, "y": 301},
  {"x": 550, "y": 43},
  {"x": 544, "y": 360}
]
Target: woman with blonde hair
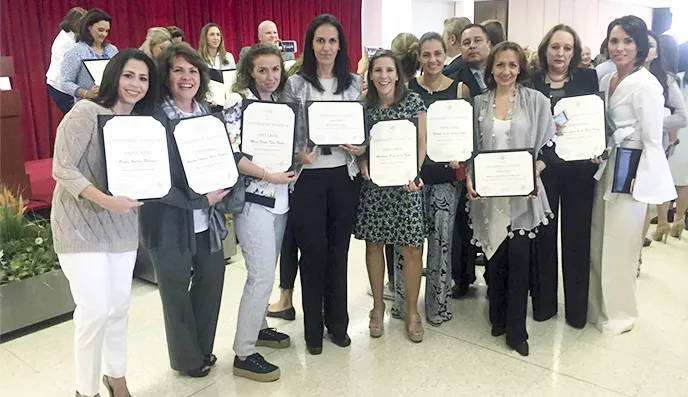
[
  {"x": 405, "y": 47},
  {"x": 211, "y": 47},
  {"x": 157, "y": 39}
]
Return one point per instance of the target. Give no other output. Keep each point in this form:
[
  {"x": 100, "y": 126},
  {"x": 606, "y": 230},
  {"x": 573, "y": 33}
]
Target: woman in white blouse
[
  {"x": 635, "y": 114},
  {"x": 211, "y": 47},
  {"x": 64, "y": 41}
]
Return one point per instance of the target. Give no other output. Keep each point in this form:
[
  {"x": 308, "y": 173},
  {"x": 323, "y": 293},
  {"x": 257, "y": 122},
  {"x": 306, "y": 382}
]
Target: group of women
[
  {"x": 83, "y": 36},
  {"x": 329, "y": 196}
]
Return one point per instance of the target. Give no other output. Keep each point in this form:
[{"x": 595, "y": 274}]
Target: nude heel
[{"x": 377, "y": 322}]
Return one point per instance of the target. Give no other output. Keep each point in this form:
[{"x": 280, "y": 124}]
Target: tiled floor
[{"x": 460, "y": 358}]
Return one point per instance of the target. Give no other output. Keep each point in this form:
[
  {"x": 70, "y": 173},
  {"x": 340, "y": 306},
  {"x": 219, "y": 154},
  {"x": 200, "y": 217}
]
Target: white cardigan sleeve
[{"x": 653, "y": 183}]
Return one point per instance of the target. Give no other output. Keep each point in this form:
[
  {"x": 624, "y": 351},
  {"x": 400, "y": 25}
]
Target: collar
[{"x": 450, "y": 60}]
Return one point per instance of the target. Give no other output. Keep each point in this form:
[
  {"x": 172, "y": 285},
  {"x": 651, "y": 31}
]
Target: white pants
[
  {"x": 260, "y": 234},
  {"x": 101, "y": 288}
]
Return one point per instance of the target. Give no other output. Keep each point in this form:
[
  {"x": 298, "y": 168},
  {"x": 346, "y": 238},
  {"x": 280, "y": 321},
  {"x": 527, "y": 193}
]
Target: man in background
[
  {"x": 452, "y": 39},
  {"x": 267, "y": 34}
]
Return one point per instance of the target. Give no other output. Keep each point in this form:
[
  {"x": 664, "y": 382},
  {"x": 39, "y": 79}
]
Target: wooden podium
[{"x": 12, "y": 171}]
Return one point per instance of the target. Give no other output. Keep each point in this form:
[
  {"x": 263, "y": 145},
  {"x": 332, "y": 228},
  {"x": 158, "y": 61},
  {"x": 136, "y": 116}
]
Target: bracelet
[{"x": 264, "y": 173}]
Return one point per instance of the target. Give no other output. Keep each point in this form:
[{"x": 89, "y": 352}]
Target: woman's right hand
[
  {"x": 92, "y": 92},
  {"x": 215, "y": 196},
  {"x": 305, "y": 157},
  {"x": 560, "y": 128},
  {"x": 281, "y": 178},
  {"x": 472, "y": 194},
  {"x": 120, "y": 204}
]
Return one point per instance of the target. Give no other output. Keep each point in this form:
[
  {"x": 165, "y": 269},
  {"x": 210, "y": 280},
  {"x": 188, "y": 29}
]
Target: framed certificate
[
  {"x": 450, "y": 131},
  {"x": 393, "y": 152},
  {"x": 220, "y": 83},
  {"x": 268, "y": 131},
  {"x": 334, "y": 123},
  {"x": 137, "y": 163},
  {"x": 504, "y": 173},
  {"x": 206, "y": 153},
  {"x": 584, "y": 136},
  {"x": 96, "y": 68}
]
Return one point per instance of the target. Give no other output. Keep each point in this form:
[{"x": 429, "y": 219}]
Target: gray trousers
[
  {"x": 190, "y": 312},
  {"x": 260, "y": 234}
]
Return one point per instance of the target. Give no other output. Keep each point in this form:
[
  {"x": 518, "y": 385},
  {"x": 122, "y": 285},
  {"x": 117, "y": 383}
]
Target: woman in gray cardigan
[
  {"x": 323, "y": 205},
  {"x": 92, "y": 44},
  {"x": 510, "y": 116},
  {"x": 95, "y": 234}
]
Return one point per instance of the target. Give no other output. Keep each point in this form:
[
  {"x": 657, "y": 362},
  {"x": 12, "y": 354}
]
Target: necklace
[
  {"x": 432, "y": 90},
  {"x": 561, "y": 80}
]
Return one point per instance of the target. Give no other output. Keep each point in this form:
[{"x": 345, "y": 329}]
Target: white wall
[
  {"x": 529, "y": 20},
  {"x": 429, "y": 16}
]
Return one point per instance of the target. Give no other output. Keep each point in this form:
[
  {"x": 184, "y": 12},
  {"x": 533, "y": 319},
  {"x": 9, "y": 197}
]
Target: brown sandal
[
  {"x": 377, "y": 322},
  {"x": 414, "y": 328}
]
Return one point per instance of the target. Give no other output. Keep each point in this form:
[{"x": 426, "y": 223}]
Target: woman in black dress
[{"x": 569, "y": 183}]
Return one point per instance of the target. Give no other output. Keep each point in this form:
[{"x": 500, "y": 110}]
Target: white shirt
[
  {"x": 200, "y": 217},
  {"x": 338, "y": 157},
  {"x": 605, "y": 68},
  {"x": 217, "y": 64},
  {"x": 450, "y": 60},
  {"x": 62, "y": 43}
]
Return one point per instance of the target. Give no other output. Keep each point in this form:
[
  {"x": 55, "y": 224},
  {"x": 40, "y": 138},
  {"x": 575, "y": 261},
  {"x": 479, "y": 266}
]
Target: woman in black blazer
[{"x": 569, "y": 183}]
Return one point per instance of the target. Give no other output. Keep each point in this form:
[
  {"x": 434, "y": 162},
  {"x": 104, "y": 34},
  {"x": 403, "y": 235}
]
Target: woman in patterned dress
[{"x": 393, "y": 215}]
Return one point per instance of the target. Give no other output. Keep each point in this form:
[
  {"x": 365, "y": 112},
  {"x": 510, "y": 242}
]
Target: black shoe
[
  {"x": 341, "y": 342},
  {"x": 459, "y": 290},
  {"x": 522, "y": 349},
  {"x": 255, "y": 368},
  {"x": 314, "y": 351},
  {"x": 576, "y": 325},
  {"x": 201, "y": 372},
  {"x": 647, "y": 242},
  {"x": 269, "y": 337},
  {"x": 286, "y": 314},
  {"x": 210, "y": 360},
  {"x": 498, "y": 330}
]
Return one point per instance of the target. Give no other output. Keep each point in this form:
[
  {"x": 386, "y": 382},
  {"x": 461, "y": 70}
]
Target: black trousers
[
  {"x": 289, "y": 257},
  {"x": 463, "y": 252},
  {"x": 323, "y": 210},
  {"x": 509, "y": 268},
  {"x": 572, "y": 185},
  {"x": 63, "y": 101},
  {"x": 389, "y": 258},
  {"x": 190, "y": 312}
]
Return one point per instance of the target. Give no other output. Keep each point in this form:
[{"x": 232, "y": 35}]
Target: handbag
[{"x": 625, "y": 169}]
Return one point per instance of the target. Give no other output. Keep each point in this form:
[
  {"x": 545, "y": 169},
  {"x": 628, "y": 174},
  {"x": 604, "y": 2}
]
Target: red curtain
[{"x": 28, "y": 28}]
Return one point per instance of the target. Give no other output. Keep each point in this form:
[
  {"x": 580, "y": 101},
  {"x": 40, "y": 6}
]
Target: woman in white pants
[
  {"x": 95, "y": 234},
  {"x": 260, "y": 226},
  {"x": 634, "y": 103}
]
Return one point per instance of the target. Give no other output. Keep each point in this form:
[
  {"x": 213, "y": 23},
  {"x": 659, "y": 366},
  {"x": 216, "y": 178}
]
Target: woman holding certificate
[
  {"x": 389, "y": 214},
  {"x": 323, "y": 204},
  {"x": 92, "y": 43},
  {"x": 570, "y": 183},
  {"x": 510, "y": 118},
  {"x": 260, "y": 226},
  {"x": 442, "y": 187},
  {"x": 184, "y": 229},
  {"x": 96, "y": 234},
  {"x": 635, "y": 173}
]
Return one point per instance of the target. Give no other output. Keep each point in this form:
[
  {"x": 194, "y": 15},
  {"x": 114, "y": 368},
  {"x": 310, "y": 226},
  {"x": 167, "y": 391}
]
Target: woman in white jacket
[{"x": 635, "y": 112}]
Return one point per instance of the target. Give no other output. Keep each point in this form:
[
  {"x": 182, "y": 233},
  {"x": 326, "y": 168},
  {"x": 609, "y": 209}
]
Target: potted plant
[{"x": 32, "y": 286}]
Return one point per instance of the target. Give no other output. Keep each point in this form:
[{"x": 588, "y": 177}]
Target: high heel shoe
[
  {"x": 677, "y": 228},
  {"x": 377, "y": 322},
  {"x": 661, "y": 233},
  {"x": 414, "y": 328},
  {"x": 109, "y": 387}
]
